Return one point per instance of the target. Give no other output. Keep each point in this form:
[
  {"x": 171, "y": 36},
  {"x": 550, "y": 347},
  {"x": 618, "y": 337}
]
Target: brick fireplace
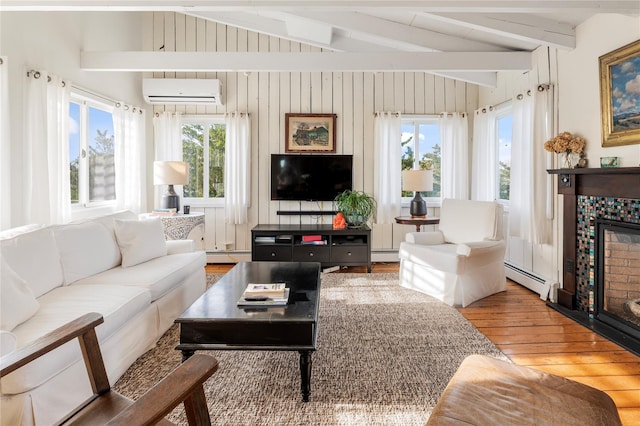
[
  {"x": 617, "y": 278},
  {"x": 601, "y": 250}
]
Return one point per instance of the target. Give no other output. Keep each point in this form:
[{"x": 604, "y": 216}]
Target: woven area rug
[{"x": 384, "y": 356}]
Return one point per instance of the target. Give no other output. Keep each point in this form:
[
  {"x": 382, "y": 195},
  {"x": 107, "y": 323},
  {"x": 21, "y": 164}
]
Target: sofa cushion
[
  {"x": 108, "y": 220},
  {"x": 140, "y": 240},
  {"x": 7, "y": 342},
  {"x": 17, "y": 302},
  {"x": 14, "y": 232},
  {"x": 86, "y": 249},
  {"x": 159, "y": 275},
  {"x": 35, "y": 257},
  {"x": 117, "y": 304}
]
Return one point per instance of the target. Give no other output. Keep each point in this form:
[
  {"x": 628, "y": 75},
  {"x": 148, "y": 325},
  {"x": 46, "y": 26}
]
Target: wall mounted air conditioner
[{"x": 182, "y": 91}]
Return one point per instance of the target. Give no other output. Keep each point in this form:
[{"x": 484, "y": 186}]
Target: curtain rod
[
  {"x": 418, "y": 116},
  {"x": 157, "y": 114},
  {"x": 117, "y": 104},
  {"x": 36, "y": 74}
]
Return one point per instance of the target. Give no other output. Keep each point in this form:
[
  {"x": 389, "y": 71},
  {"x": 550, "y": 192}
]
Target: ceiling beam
[
  {"x": 532, "y": 29},
  {"x": 305, "y": 61},
  {"x": 432, "y": 6},
  {"x": 345, "y": 41},
  {"x": 396, "y": 35}
]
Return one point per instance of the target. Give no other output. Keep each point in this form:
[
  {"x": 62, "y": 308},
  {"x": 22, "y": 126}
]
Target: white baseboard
[
  {"x": 531, "y": 281},
  {"x": 228, "y": 256},
  {"x": 385, "y": 256}
]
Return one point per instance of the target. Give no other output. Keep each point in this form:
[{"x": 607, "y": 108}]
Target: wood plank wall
[{"x": 353, "y": 96}]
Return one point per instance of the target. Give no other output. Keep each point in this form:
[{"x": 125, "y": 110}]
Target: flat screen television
[{"x": 318, "y": 177}]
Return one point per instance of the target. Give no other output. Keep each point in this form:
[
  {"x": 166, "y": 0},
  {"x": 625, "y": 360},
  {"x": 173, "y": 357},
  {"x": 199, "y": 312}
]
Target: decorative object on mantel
[
  {"x": 582, "y": 162},
  {"x": 609, "y": 162},
  {"x": 566, "y": 144}
]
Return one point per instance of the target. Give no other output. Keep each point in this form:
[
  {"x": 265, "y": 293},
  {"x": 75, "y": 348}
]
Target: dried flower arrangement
[{"x": 565, "y": 142}]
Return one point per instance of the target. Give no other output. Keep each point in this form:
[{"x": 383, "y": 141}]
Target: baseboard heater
[{"x": 531, "y": 281}]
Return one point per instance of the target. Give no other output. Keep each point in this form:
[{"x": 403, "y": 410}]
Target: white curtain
[
  {"x": 454, "y": 173},
  {"x": 237, "y": 167},
  {"x": 484, "y": 158},
  {"x": 530, "y": 206},
  {"x": 167, "y": 136},
  {"x": 5, "y": 145},
  {"x": 387, "y": 158},
  {"x": 129, "y": 133},
  {"x": 46, "y": 149}
]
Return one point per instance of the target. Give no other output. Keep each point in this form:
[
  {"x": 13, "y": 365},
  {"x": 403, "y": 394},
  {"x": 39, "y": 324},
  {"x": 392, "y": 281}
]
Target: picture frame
[
  {"x": 620, "y": 95},
  {"x": 310, "y": 133}
]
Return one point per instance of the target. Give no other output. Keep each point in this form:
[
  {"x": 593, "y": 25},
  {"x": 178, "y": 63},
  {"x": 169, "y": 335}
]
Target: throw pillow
[
  {"x": 8, "y": 342},
  {"x": 17, "y": 302},
  {"x": 140, "y": 240},
  {"x": 86, "y": 249}
]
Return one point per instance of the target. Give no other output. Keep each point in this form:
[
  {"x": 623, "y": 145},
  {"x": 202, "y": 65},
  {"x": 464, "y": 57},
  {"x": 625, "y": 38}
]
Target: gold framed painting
[
  {"x": 620, "y": 95},
  {"x": 310, "y": 133}
]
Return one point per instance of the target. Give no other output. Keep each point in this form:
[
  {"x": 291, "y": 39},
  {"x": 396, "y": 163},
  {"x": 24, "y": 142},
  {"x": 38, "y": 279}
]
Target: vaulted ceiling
[{"x": 469, "y": 40}]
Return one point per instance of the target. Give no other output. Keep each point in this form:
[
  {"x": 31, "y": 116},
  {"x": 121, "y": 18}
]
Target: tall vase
[{"x": 566, "y": 160}]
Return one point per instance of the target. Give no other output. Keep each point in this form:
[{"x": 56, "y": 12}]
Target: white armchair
[{"x": 461, "y": 262}]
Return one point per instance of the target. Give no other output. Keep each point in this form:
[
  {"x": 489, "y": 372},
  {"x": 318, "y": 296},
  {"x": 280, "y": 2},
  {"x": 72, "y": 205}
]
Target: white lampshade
[
  {"x": 417, "y": 180},
  {"x": 170, "y": 173}
]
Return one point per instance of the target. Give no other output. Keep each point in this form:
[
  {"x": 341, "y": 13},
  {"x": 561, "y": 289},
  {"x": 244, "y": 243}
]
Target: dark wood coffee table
[{"x": 215, "y": 322}]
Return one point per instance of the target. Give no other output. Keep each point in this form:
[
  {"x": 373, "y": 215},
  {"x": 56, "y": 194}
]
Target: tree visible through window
[
  {"x": 91, "y": 152},
  {"x": 504, "y": 123},
  {"x": 421, "y": 150},
  {"x": 203, "y": 144}
]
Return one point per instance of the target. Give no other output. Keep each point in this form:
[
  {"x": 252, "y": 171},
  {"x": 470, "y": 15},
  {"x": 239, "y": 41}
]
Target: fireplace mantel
[{"x": 621, "y": 182}]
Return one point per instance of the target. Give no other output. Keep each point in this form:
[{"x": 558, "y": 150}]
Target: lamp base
[
  {"x": 418, "y": 206},
  {"x": 170, "y": 200}
]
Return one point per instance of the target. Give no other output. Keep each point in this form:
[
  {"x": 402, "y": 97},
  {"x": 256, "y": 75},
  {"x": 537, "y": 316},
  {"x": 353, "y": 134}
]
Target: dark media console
[{"x": 312, "y": 243}]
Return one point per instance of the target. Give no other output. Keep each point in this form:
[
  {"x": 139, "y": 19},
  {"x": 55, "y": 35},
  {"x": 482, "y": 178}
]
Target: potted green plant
[{"x": 356, "y": 206}]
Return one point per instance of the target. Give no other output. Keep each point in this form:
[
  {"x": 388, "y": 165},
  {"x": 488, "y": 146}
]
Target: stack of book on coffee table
[{"x": 264, "y": 294}]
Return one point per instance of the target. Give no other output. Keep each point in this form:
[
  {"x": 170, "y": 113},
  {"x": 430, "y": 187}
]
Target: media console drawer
[
  {"x": 273, "y": 252},
  {"x": 351, "y": 253},
  {"x": 311, "y": 253}
]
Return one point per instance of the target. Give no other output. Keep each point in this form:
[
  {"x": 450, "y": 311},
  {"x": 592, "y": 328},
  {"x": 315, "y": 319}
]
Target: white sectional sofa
[{"x": 115, "y": 265}]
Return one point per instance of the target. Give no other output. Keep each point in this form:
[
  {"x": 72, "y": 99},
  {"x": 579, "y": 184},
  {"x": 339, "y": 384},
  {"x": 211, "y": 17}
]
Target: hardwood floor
[{"x": 532, "y": 334}]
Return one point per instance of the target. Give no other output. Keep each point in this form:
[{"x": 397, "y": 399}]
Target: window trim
[{"x": 206, "y": 120}]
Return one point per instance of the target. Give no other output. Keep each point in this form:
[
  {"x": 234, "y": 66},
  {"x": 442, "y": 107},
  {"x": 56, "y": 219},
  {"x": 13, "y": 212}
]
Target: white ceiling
[{"x": 374, "y": 29}]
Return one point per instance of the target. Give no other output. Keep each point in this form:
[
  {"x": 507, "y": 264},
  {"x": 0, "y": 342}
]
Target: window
[
  {"x": 421, "y": 149},
  {"x": 203, "y": 140},
  {"x": 504, "y": 125},
  {"x": 91, "y": 152}
]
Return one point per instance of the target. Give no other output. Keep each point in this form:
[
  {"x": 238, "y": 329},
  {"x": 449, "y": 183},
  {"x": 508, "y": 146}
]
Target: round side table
[{"x": 417, "y": 221}]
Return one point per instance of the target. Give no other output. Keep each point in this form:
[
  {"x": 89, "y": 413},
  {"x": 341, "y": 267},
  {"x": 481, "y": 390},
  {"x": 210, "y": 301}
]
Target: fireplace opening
[{"x": 617, "y": 276}]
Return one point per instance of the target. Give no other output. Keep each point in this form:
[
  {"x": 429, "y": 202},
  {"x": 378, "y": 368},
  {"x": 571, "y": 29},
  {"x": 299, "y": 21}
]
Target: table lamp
[
  {"x": 170, "y": 173},
  {"x": 418, "y": 181}
]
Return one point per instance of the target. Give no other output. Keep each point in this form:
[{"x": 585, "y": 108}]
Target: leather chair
[
  {"x": 106, "y": 406},
  {"x": 461, "y": 262}
]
